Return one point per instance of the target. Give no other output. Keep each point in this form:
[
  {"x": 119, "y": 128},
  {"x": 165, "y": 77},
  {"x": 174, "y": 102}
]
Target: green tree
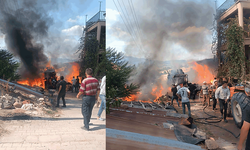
[
  {"x": 8, "y": 66},
  {"x": 89, "y": 55},
  {"x": 118, "y": 73},
  {"x": 235, "y": 65}
]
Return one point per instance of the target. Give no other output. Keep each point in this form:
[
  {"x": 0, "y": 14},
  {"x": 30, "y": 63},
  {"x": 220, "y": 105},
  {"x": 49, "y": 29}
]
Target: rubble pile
[{"x": 17, "y": 99}]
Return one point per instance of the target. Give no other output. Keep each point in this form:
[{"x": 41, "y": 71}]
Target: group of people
[
  {"x": 75, "y": 84},
  {"x": 90, "y": 88},
  {"x": 220, "y": 93}
]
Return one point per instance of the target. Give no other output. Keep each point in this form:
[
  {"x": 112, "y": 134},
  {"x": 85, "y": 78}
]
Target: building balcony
[
  {"x": 100, "y": 16},
  {"x": 225, "y": 6}
]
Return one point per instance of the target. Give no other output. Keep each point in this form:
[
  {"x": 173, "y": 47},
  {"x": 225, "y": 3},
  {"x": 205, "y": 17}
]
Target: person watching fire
[
  {"x": 89, "y": 88},
  {"x": 77, "y": 84},
  {"x": 73, "y": 84},
  {"x": 204, "y": 90},
  {"x": 183, "y": 93},
  {"x": 213, "y": 88},
  {"x": 222, "y": 95},
  {"x": 102, "y": 96},
  {"x": 61, "y": 92},
  {"x": 174, "y": 90}
]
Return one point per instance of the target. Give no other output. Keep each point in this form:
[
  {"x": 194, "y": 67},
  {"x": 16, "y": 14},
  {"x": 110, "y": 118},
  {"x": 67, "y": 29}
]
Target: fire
[
  {"x": 203, "y": 73},
  {"x": 74, "y": 71},
  {"x": 157, "y": 92},
  {"x": 33, "y": 82},
  {"x": 131, "y": 98},
  {"x": 40, "y": 81},
  {"x": 169, "y": 89}
]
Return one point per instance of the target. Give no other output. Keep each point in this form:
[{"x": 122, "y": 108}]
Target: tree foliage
[
  {"x": 235, "y": 62},
  {"x": 8, "y": 66},
  {"x": 118, "y": 72},
  {"x": 90, "y": 56}
]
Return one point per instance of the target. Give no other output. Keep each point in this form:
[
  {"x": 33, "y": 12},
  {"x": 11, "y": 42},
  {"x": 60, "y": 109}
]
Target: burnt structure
[{"x": 50, "y": 78}]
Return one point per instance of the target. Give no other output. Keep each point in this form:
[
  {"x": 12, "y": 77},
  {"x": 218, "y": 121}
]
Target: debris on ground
[
  {"x": 168, "y": 126},
  {"x": 211, "y": 144}
]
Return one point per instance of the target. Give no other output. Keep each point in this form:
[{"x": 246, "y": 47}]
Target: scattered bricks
[
  {"x": 27, "y": 106},
  {"x": 32, "y": 96},
  {"x": 211, "y": 144},
  {"x": 168, "y": 126},
  {"x": 124, "y": 106},
  {"x": 41, "y": 99},
  {"x": 17, "y": 105},
  {"x": 26, "y": 102}
]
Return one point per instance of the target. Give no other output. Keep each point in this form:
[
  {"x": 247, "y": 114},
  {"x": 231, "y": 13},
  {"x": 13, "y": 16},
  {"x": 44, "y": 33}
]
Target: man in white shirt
[
  {"x": 183, "y": 93},
  {"x": 222, "y": 94},
  {"x": 73, "y": 84},
  {"x": 102, "y": 96}
]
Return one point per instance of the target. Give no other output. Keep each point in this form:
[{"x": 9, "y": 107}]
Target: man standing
[
  {"x": 204, "y": 90},
  {"x": 89, "y": 89},
  {"x": 73, "y": 84},
  {"x": 174, "y": 90},
  {"x": 244, "y": 133},
  {"x": 61, "y": 92},
  {"x": 77, "y": 84},
  {"x": 102, "y": 96},
  {"x": 222, "y": 94},
  {"x": 213, "y": 88},
  {"x": 183, "y": 93}
]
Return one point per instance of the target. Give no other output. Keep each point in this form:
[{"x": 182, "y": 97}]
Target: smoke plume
[
  {"x": 25, "y": 25},
  {"x": 164, "y": 27}
]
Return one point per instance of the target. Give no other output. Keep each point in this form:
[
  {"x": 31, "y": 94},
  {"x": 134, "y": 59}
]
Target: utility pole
[
  {"x": 215, "y": 5},
  {"x": 100, "y": 5},
  {"x": 86, "y": 21}
]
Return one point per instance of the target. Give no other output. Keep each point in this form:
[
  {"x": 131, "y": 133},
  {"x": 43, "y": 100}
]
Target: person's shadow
[{"x": 98, "y": 127}]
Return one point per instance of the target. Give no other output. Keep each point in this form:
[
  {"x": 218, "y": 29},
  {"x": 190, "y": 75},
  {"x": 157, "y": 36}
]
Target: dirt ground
[
  {"x": 133, "y": 120},
  {"x": 213, "y": 131}
]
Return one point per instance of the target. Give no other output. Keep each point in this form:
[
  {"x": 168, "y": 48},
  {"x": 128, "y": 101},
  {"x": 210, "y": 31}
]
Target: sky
[
  {"x": 66, "y": 26},
  {"x": 183, "y": 40}
]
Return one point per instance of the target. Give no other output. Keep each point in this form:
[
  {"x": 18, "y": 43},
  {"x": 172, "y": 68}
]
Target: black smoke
[{"x": 25, "y": 24}]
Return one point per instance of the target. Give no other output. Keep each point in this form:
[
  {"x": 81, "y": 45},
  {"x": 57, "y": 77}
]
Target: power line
[
  {"x": 124, "y": 22},
  {"x": 134, "y": 28},
  {"x": 136, "y": 21}
]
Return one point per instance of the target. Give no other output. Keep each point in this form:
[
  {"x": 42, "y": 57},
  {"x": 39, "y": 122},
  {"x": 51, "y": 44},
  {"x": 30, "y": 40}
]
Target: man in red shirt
[{"x": 89, "y": 89}]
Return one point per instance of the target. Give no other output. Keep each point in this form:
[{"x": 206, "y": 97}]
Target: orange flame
[
  {"x": 39, "y": 81},
  {"x": 74, "y": 71},
  {"x": 203, "y": 73},
  {"x": 156, "y": 92}
]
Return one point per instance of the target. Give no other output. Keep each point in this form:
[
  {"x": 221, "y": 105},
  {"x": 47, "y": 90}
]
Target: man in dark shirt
[
  {"x": 244, "y": 133},
  {"x": 61, "y": 91},
  {"x": 77, "y": 84},
  {"x": 174, "y": 90}
]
